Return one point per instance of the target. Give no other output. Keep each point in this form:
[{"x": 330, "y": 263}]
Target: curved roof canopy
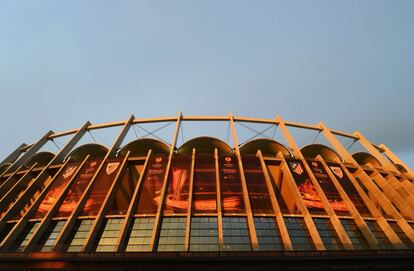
[
  {"x": 94, "y": 150},
  {"x": 267, "y": 146},
  {"x": 4, "y": 167},
  {"x": 204, "y": 144},
  {"x": 328, "y": 154},
  {"x": 398, "y": 166},
  {"x": 364, "y": 158},
  {"x": 40, "y": 158},
  {"x": 140, "y": 147}
]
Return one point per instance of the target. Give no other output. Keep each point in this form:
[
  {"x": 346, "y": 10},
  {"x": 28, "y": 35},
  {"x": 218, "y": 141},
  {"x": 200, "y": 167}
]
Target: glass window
[
  {"x": 403, "y": 237},
  {"x": 140, "y": 237},
  {"x": 7, "y": 228},
  {"x": 149, "y": 197},
  {"x": 354, "y": 233},
  {"x": 236, "y": 234},
  {"x": 79, "y": 234},
  {"x": 29, "y": 199},
  {"x": 305, "y": 186},
  {"x": 256, "y": 185},
  {"x": 204, "y": 234},
  {"x": 101, "y": 187},
  {"x": 268, "y": 234},
  {"x": 125, "y": 191},
  {"x": 383, "y": 241},
  {"x": 48, "y": 239},
  {"x": 172, "y": 234},
  {"x": 24, "y": 237},
  {"x": 299, "y": 234},
  {"x": 283, "y": 193},
  {"x": 77, "y": 188},
  {"x": 230, "y": 185},
  {"x": 327, "y": 233},
  {"x": 109, "y": 234},
  {"x": 204, "y": 185},
  {"x": 176, "y": 201}
]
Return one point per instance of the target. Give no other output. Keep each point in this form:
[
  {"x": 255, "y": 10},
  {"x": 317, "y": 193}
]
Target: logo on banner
[
  {"x": 296, "y": 167},
  {"x": 111, "y": 167},
  {"x": 337, "y": 171},
  {"x": 69, "y": 171}
]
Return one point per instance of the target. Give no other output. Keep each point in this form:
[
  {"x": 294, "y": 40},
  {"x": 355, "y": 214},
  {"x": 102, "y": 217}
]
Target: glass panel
[
  {"x": 256, "y": 185},
  {"x": 48, "y": 239},
  {"x": 28, "y": 201},
  {"x": 268, "y": 234},
  {"x": 176, "y": 201},
  {"x": 101, "y": 187},
  {"x": 109, "y": 234},
  {"x": 125, "y": 191},
  {"x": 331, "y": 193},
  {"x": 354, "y": 234},
  {"x": 403, "y": 237},
  {"x": 308, "y": 192},
  {"x": 281, "y": 188},
  {"x": 230, "y": 185},
  {"x": 7, "y": 228},
  {"x": 204, "y": 187},
  {"x": 78, "y": 235},
  {"x": 349, "y": 188},
  {"x": 299, "y": 234},
  {"x": 152, "y": 183},
  {"x": 13, "y": 180},
  {"x": 172, "y": 234},
  {"x": 236, "y": 234},
  {"x": 23, "y": 239},
  {"x": 384, "y": 242},
  {"x": 77, "y": 188},
  {"x": 204, "y": 234},
  {"x": 55, "y": 190},
  {"x": 328, "y": 234},
  {"x": 140, "y": 236}
]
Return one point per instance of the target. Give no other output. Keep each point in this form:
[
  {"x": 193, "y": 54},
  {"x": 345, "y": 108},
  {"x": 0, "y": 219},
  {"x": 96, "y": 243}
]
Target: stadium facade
[{"x": 148, "y": 204}]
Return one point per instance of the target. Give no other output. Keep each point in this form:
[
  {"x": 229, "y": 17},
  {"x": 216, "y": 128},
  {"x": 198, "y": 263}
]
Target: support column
[
  {"x": 122, "y": 241},
  {"x": 287, "y": 243},
  {"x": 396, "y": 160},
  {"x": 190, "y": 203},
  {"x": 374, "y": 152},
  {"x": 62, "y": 237},
  {"x": 343, "y": 236},
  {"x": 157, "y": 220},
  {"x": 250, "y": 220},
  {"x": 218, "y": 196},
  {"x": 100, "y": 217}
]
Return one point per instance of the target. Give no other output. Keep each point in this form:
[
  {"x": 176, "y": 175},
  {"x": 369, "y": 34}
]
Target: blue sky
[{"x": 347, "y": 63}]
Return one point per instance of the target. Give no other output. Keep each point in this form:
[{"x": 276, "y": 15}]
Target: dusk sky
[{"x": 347, "y": 63}]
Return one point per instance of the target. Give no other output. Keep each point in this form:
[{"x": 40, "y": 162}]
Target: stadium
[{"x": 214, "y": 202}]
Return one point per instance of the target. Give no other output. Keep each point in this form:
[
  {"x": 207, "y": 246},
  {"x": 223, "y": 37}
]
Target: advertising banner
[
  {"x": 338, "y": 205},
  {"x": 178, "y": 185},
  {"x": 101, "y": 188},
  {"x": 231, "y": 190},
  {"x": 55, "y": 190},
  {"x": 306, "y": 189},
  {"x": 77, "y": 188},
  {"x": 349, "y": 188}
]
